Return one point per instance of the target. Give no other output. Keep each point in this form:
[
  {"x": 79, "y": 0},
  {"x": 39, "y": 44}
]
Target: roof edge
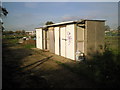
[{"x": 71, "y": 22}]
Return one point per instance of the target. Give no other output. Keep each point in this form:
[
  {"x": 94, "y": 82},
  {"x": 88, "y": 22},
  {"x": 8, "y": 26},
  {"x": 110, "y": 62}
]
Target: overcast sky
[{"x": 30, "y": 15}]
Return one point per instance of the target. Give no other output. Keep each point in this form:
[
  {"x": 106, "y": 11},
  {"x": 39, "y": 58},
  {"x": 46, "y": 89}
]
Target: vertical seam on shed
[
  {"x": 75, "y": 40},
  {"x": 59, "y": 43},
  {"x": 86, "y": 41},
  {"x": 65, "y": 40}
]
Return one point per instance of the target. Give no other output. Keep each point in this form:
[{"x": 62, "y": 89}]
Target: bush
[{"x": 105, "y": 69}]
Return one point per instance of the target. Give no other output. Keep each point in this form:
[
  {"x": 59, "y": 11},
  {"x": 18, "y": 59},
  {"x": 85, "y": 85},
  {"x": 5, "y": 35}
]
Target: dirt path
[{"x": 26, "y": 68}]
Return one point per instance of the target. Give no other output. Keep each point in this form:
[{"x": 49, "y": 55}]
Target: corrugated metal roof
[
  {"x": 76, "y": 21},
  {"x": 61, "y": 23},
  {"x": 71, "y": 22}
]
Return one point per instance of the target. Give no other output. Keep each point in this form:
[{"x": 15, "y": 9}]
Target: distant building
[{"x": 30, "y": 32}]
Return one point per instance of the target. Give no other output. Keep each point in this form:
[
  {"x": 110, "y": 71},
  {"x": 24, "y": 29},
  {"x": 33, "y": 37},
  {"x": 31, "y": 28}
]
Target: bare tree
[{"x": 3, "y": 12}]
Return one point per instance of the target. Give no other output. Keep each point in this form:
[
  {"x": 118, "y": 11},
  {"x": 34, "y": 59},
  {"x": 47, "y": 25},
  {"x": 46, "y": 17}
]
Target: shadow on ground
[
  {"x": 55, "y": 71},
  {"x": 12, "y": 75}
]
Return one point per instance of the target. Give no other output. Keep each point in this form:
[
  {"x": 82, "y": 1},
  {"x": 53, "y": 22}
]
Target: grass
[
  {"x": 13, "y": 40},
  {"x": 29, "y": 46},
  {"x": 104, "y": 68},
  {"x": 112, "y": 42}
]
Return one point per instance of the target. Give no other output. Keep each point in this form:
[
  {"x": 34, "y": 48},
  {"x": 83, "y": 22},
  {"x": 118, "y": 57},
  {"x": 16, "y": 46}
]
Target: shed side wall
[{"x": 95, "y": 36}]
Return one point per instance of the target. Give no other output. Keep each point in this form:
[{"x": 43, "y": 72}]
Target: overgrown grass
[
  {"x": 112, "y": 42},
  {"x": 104, "y": 69},
  {"x": 13, "y": 41},
  {"x": 29, "y": 46}
]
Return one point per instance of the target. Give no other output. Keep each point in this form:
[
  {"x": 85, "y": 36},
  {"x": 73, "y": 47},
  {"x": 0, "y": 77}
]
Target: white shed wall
[
  {"x": 67, "y": 41},
  {"x": 70, "y": 42},
  {"x": 62, "y": 41},
  {"x": 56, "y": 31},
  {"x": 39, "y": 38}
]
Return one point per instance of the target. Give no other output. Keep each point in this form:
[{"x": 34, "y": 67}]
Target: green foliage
[
  {"x": 49, "y": 22},
  {"x": 112, "y": 42},
  {"x": 12, "y": 36},
  {"x": 112, "y": 33},
  {"x": 107, "y": 28},
  {"x": 29, "y": 46},
  {"x": 118, "y": 27},
  {"x": 104, "y": 69},
  {"x": 13, "y": 40}
]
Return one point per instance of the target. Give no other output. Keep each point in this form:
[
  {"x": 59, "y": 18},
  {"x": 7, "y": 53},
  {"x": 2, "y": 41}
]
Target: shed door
[
  {"x": 56, "y": 30},
  {"x": 62, "y": 41},
  {"x": 39, "y": 38},
  {"x": 52, "y": 40},
  {"x": 70, "y": 42}
]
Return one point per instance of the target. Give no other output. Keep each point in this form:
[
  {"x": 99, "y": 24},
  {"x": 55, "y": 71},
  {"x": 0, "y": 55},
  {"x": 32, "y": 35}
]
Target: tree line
[{"x": 18, "y": 32}]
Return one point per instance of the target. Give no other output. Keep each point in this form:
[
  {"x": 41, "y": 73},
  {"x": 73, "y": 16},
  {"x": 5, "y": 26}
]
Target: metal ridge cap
[{"x": 66, "y": 22}]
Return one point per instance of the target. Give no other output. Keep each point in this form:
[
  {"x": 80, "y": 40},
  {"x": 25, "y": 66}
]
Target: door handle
[{"x": 64, "y": 39}]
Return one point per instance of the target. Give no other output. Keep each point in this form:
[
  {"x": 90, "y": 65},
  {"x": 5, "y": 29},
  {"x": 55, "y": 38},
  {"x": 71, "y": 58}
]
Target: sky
[
  {"x": 60, "y": 0},
  {"x": 30, "y": 15}
]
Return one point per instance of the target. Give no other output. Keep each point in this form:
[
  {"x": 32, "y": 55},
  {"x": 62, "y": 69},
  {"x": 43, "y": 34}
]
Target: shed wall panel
[
  {"x": 63, "y": 41},
  {"x": 80, "y": 39},
  {"x": 91, "y": 37},
  {"x": 48, "y": 39},
  {"x": 39, "y": 38},
  {"x": 56, "y": 31},
  {"x": 95, "y": 36},
  {"x": 44, "y": 42},
  {"x": 52, "y": 40},
  {"x": 100, "y": 36},
  {"x": 70, "y": 42}
]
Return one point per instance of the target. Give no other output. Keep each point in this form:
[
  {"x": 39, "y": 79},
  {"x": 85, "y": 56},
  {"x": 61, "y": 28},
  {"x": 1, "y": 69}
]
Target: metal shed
[{"x": 66, "y": 38}]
